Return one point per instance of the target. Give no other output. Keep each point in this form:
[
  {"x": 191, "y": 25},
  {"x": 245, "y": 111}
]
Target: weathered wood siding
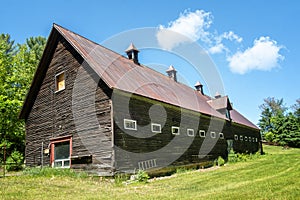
[
  {"x": 152, "y": 151},
  {"x": 52, "y": 115}
]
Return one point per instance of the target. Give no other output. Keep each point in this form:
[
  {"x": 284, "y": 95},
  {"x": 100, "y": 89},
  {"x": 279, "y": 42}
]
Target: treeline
[
  {"x": 280, "y": 124},
  {"x": 18, "y": 63}
]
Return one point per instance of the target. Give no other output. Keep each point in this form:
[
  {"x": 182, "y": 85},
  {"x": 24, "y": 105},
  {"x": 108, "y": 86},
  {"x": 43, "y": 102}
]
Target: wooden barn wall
[
  {"x": 139, "y": 108},
  {"x": 51, "y": 117}
]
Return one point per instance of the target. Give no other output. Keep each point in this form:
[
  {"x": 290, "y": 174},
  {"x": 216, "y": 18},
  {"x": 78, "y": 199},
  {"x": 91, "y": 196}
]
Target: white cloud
[
  {"x": 263, "y": 55},
  {"x": 189, "y": 27},
  {"x": 231, "y": 36},
  {"x": 218, "y": 48},
  {"x": 195, "y": 26}
]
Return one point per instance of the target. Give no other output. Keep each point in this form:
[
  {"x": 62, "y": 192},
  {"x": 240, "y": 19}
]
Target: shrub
[
  {"x": 220, "y": 161},
  {"x": 240, "y": 157},
  {"x": 269, "y": 136},
  {"x": 15, "y": 161},
  {"x": 142, "y": 176}
]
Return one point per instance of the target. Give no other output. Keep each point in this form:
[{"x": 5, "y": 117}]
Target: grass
[{"x": 275, "y": 175}]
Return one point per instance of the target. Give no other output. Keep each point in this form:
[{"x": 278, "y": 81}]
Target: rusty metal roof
[
  {"x": 240, "y": 119},
  {"x": 220, "y": 103},
  {"x": 121, "y": 73}
]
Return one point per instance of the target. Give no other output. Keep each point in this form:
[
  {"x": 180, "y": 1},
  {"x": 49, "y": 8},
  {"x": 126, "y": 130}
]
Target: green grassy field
[{"x": 275, "y": 175}]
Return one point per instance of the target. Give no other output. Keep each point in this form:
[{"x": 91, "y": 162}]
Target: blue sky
[{"x": 254, "y": 44}]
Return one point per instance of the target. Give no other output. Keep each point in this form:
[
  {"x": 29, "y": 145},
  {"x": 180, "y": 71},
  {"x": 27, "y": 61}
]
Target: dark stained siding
[
  {"x": 138, "y": 108},
  {"x": 51, "y": 116}
]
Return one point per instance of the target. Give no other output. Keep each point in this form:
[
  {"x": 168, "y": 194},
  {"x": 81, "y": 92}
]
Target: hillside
[{"x": 275, "y": 175}]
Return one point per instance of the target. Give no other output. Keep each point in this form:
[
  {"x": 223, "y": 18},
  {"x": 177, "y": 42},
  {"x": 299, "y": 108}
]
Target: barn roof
[
  {"x": 118, "y": 72},
  {"x": 220, "y": 103}
]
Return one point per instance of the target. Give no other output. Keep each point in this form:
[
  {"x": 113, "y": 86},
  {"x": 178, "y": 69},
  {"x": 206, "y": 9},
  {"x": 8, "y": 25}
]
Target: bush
[
  {"x": 15, "y": 161},
  {"x": 269, "y": 136},
  {"x": 240, "y": 157},
  {"x": 142, "y": 176},
  {"x": 220, "y": 161}
]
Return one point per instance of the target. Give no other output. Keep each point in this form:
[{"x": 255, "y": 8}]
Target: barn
[{"x": 92, "y": 109}]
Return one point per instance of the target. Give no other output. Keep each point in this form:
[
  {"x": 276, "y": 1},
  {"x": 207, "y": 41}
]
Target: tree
[
  {"x": 17, "y": 66},
  {"x": 270, "y": 108},
  {"x": 277, "y": 126},
  {"x": 296, "y": 108}
]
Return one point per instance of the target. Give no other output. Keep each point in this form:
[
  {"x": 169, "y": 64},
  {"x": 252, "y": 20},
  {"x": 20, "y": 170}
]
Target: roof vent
[
  {"x": 172, "y": 73},
  {"x": 199, "y": 87},
  {"x": 217, "y": 95},
  {"x": 132, "y": 53}
]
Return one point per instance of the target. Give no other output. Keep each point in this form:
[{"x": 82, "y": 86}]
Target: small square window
[
  {"x": 221, "y": 135},
  {"x": 60, "y": 81},
  {"x": 155, "y": 128},
  {"x": 190, "y": 132},
  {"x": 212, "y": 134},
  {"x": 130, "y": 124},
  {"x": 175, "y": 130},
  {"x": 236, "y": 137},
  {"x": 241, "y": 137},
  {"x": 202, "y": 133},
  {"x": 246, "y": 138}
]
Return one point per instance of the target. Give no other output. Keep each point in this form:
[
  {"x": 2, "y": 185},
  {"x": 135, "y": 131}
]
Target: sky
[{"x": 254, "y": 45}]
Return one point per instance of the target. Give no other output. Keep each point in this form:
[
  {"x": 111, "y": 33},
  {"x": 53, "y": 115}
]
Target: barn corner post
[
  {"x": 261, "y": 146},
  {"x": 42, "y": 155}
]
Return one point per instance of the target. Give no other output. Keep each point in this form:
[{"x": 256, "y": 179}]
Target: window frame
[
  {"x": 241, "y": 138},
  {"x": 213, "y": 133},
  {"x": 55, "y": 141},
  {"x": 221, "y": 136},
  {"x": 202, "y": 131},
  {"x": 246, "y": 138},
  {"x": 131, "y": 121},
  {"x": 56, "y": 81},
  {"x": 236, "y": 137},
  {"x": 175, "y": 128},
  {"x": 155, "y": 124},
  {"x": 190, "y": 129}
]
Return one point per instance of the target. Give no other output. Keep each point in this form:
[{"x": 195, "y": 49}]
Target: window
[
  {"x": 249, "y": 138},
  {"x": 130, "y": 124},
  {"x": 212, "y": 134},
  {"x": 245, "y": 138},
  {"x": 61, "y": 150},
  {"x": 202, "y": 133},
  {"x": 155, "y": 128},
  {"x": 236, "y": 137},
  {"x": 175, "y": 130},
  {"x": 190, "y": 132},
  {"x": 221, "y": 135},
  {"x": 255, "y": 139},
  {"x": 241, "y": 137},
  {"x": 60, "y": 81}
]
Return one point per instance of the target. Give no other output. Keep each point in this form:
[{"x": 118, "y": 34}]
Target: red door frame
[{"x": 59, "y": 140}]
